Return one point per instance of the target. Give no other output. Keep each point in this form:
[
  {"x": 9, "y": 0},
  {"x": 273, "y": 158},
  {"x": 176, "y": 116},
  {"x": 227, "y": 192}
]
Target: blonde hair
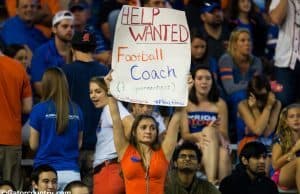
[
  {"x": 283, "y": 131},
  {"x": 234, "y": 36}
]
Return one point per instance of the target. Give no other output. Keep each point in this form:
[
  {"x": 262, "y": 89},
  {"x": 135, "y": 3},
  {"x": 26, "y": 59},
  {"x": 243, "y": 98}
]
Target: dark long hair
[
  {"x": 204, "y": 59},
  {"x": 213, "y": 94},
  {"x": 133, "y": 141},
  {"x": 257, "y": 83}
]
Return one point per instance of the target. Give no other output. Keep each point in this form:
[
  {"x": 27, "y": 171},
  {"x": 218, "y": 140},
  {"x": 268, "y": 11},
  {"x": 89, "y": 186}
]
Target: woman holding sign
[
  {"x": 207, "y": 124},
  {"x": 143, "y": 160}
]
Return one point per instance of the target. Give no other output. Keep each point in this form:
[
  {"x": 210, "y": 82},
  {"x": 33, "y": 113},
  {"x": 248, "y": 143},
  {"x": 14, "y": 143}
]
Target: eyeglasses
[{"x": 185, "y": 156}]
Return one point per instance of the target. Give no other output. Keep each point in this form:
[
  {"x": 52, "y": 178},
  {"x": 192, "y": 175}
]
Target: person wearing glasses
[{"x": 183, "y": 180}]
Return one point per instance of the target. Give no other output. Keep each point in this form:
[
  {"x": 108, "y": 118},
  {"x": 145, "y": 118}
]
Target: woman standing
[
  {"x": 144, "y": 161},
  {"x": 107, "y": 168},
  {"x": 56, "y": 126}
]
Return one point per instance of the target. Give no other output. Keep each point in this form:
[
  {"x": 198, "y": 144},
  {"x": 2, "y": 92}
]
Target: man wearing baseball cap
[
  {"x": 82, "y": 22},
  {"x": 56, "y": 51},
  {"x": 214, "y": 29}
]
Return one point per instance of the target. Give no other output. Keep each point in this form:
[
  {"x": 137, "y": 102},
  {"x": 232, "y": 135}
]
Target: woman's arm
[
  {"x": 278, "y": 13},
  {"x": 256, "y": 125},
  {"x": 34, "y": 139},
  {"x": 127, "y": 123},
  {"x": 120, "y": 140},
  {"x": 184, "y": 129},
  {"x": 279, "y": 159},
  {"x": 273, "y": 118},
  {"x": 170, "y": 141},
  {"x": 226, "y": 75}
]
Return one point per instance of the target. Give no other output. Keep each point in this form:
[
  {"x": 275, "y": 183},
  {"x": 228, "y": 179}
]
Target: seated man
[
  {"x": 44, "y": 179},
  {"x": 183, "y": 180},
  {"x": 76, "y": 187},
  {"x": 249, "y": 176}
]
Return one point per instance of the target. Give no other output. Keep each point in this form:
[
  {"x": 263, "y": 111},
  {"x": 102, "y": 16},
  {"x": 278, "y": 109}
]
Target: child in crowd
[{"x": 285, "y": 152}]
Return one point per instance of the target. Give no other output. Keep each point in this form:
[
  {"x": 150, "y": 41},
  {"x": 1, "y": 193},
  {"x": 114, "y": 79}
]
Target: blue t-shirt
[
  {"x": 200, "y": 119},
  {"x": 44, "y": 57},
  {"x": 15, "y": 31},
  {"x": 59, "y": 151}
]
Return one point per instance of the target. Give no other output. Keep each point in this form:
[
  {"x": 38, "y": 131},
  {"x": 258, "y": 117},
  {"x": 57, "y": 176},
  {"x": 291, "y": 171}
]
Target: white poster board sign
[{"x": 151, "y": 56}]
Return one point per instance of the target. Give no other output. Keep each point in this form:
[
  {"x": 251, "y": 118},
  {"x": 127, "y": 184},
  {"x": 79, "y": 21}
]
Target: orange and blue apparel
[{"x": 140, "y": 180}]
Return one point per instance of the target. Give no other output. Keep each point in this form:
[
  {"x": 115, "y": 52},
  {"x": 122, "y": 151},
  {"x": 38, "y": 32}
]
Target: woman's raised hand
[
  {"x": 251, "y": 101},
  {"x": 190, "y": 82},
  {"x": 108, "y": 79}
]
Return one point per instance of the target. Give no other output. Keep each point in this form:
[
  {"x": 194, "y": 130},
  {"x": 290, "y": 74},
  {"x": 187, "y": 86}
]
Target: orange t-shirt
[
  {"x": 135, "y": 174},
  {"x": 14, "y": 87}
]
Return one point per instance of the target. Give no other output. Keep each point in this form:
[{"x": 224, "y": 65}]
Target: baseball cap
[
  {"x": 209, "y": 7},
  {"x": 62, "y": 15},
  {"x": 84, "y": 41},
  {"x": 75, "y": 4}
]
